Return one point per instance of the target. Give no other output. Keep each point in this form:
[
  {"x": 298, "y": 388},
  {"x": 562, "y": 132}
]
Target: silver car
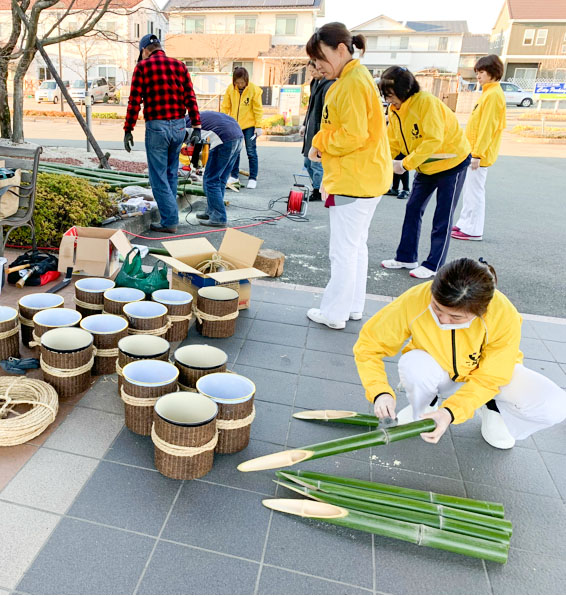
[{"x": 514, "y": 95}]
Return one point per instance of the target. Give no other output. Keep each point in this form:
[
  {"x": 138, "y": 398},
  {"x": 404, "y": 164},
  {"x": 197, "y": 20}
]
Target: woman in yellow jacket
[
  {"x": 242, "y": 101},
  {"x": 484, "y": 130},
  {"x": 352, "y": 145},
  {"x": 420, "y": 127},
  {"x": 463, "y": 347}
]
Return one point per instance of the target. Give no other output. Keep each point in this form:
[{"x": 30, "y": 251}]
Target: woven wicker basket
[
  {"x": 31, "y": 304},
  {"x": 90, "y": 291},
  {"x": 9, "y": 329},
  {"x": 184, "y": 420},
  {"x": 234, "y": 395},
  {"x": 107, "y": 330},
  {"x": 116, "y": 298},
  {"x": 217, "y": 311},
  {"x": 54, "y": 318},
  {"x": 180, "y": 306},
  {"x": 67, "y": 360},
  {"x": 145, "y": 381},
  {"x": 196, "y": 361},
  {"x": 145, "y": 347}
]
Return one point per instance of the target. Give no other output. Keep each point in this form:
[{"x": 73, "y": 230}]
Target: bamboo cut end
[
  {"x": 303, "y": 508},
  {"x": 306, "y": 483},
  {"x": 324, "y": 414},
  {"x": 305, "y": 492},
  {"x": 276, "y": 460}
]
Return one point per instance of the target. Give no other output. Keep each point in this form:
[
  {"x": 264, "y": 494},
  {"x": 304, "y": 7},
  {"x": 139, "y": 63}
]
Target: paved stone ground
[{"x": 89, "y": 514}]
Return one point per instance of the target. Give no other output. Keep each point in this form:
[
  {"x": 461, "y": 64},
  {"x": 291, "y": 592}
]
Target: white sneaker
[
  {"x": 493, "y": 429},
  {"x": 393, "y": 264},
  {"x": 356, "y": 316},
  {"x": 315, "y": 315},
  {"x": 251, "y": 183},
  {"x": 406, "y": 415},
  {"x": 233, "y": 180},
  {"x": 422, "y": 272}
]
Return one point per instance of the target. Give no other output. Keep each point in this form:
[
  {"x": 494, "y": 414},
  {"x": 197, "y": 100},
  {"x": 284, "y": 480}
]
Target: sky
[{"x": 480, "y": 14}]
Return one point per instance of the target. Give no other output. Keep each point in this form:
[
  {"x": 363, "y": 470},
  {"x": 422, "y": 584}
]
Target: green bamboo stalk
[
  {"x": 340, "y": 416},
  {"x": 391, "y": 528},
  {"x": 484, "y": 507},
  {"x": 434, "y": 520},
  {"x": 351, "y": 443}
]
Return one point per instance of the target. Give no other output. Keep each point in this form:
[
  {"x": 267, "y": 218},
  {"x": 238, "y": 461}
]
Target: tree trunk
[
  {"x": 5, "y": 119},
  {"x": 18, "y": 122}
]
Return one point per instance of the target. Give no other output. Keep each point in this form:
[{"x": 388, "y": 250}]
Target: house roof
[
  {"x": 79, "y": 4},
  {"x": 240, "y": 5},
  {"x": 537, "y": 11},
  {"x": 285, "y": 51},
  {"x": 438, "y": 26},
  {"x": 475, "y": 44}
]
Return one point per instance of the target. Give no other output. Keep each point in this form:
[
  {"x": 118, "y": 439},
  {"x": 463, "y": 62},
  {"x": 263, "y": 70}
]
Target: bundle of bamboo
[
  {"x": 399, "y": 513},
  {"x": 341, "y": 416}
]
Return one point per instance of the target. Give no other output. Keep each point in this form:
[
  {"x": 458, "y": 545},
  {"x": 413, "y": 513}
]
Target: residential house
[
  {"x": 530, "y": 38},
  {"x": 267, "y": 37},
  {"x": 416, "y": 45},
  {"x": 474, "y": 47}
]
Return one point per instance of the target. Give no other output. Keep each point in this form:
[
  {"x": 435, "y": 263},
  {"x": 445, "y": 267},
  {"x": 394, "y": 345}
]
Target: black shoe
[
  {"x": 403, "y": 194},
  {"x": 392, "y": 192},
  {"x": 202, "y": 215},
  {"x": 163, "y": 229},
  {"x": 213, "y": 224},
  {"x": 316, "y": 196}
]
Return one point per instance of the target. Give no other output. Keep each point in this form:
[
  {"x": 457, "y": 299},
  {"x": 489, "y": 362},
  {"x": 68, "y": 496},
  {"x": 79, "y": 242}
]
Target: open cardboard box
[
  {"x": 92, "y": 251},
  {"x": 237, "y": 248}
]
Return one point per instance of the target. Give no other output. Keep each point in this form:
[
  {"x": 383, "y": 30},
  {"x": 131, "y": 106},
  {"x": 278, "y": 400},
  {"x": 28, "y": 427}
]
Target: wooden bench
[{"x": 23, "y": 156}]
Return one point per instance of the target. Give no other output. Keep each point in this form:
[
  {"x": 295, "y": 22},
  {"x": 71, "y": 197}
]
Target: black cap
[{"x": 145, "y": 41}]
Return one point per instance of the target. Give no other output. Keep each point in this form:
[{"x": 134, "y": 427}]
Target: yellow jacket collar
[
  {"x": 349, "y": 66},
  {"x": 489, "y": 86}
]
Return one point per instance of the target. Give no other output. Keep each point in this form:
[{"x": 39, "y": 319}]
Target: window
[
  {"x": 159, "y": 34},
  {"x": 541, "y": 37},
  {"x": 109, "y": 27},
  {"x": 43, "y": 73},
  {"x": 404, "y": 43},
  {"x": 528, "y": 37},
  {"x": 194, "y": 24},
  {"x": 244, "y": 24},
  {"x": 442, "y": 44},
  {"x": 109, "y": 73},
  {"x": 150, "y": 27},
  {"x": 248, "y": 65},
  {"x": 393, "y": 55},
  {"x": 191, "y": 65},
  {"x": 137, "y": 30},
  {"x": 371, "y": 43},
  {"x": 527, "y": 74},
  {"x": 286, "y": 25}
]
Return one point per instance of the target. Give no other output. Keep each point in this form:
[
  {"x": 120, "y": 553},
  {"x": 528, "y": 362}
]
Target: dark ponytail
[
  {"x": 466, "y": 285},
  {"x": 332, "y": 35}
]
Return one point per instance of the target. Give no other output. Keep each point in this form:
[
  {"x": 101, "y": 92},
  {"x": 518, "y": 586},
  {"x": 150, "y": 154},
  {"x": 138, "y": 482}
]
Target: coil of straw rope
[
  {"x": 88, "y": 305},
  {"x": 224, "y": 424},
  {"x": 203, "y": 316},
  {"x": 22, "y": 427},
  {"x": 181, "y": 450},
  {"x": 213, "y": 265}
]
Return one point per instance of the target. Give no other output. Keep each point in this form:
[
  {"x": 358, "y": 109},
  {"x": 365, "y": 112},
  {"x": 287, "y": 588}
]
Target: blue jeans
[
  {"x": 221, "y": 160},
  {"x": 251, "y": 150},
  {"x": 314, "y": 168},
  {"x": 163, "y": 140}
]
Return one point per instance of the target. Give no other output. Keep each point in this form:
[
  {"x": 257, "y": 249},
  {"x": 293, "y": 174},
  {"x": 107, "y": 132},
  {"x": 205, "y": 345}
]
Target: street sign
[
  {"x": 551, "y": 90},
  {"x": 290, "y": 100}
]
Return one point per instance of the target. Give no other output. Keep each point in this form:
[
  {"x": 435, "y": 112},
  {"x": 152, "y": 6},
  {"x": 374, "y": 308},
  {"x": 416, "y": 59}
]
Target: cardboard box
[
  {"x": 237, "y": 248},
  {"x": 93, "y": 251}
]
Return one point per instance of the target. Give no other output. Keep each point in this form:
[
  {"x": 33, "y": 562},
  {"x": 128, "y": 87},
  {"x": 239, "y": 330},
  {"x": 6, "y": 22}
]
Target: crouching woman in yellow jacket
[
  {"x": 352, "y": 145},
  {"x": 463, "y": 348},
  {"x": 242, "y": 101}
]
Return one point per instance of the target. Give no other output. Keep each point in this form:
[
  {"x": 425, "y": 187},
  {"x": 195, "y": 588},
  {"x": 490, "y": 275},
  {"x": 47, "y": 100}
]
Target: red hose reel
[{"x": 298, "y": 200}]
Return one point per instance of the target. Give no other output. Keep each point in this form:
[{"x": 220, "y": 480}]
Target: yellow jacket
[
  {"x": 423, "y": 126},
  {"x": 246, "y": 108},
  {"x": 352, "y": 137},
  {"x": 482, "y": 356},
  {"x": 486, "y": 124}
]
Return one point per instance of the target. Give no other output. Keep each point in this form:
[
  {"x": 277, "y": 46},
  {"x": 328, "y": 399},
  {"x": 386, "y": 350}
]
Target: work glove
[
  {"x": 475, "y": 163},
  {"x": 195, "y": 136},
  {"x": 128, "y": 141},
  {"x": 18, "y": 366},
  {"x": 398, "y": 167}
]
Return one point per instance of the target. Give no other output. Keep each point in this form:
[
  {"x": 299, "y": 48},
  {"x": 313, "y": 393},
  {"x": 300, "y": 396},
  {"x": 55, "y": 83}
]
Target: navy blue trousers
[{"x": 448, "y": 186}]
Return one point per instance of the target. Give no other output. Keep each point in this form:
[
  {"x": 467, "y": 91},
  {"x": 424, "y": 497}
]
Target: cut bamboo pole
[
  {"x": 391, "y": 528},
  {"x": 343, "y": 445},
  {"x": 483, "y": 507},
  {"x": 434, "y": 520},
  {"x": 340, "y": 416}
]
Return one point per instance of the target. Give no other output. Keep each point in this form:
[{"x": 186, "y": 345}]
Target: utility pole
[{"x": 60, "y": 67}]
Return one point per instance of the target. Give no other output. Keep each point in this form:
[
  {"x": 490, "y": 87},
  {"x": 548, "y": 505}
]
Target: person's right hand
[
  {"x": 384, "y": 406},
  {"x": 302, "y": 131},
  {"x": 314, "y": 154},
  {"x": 128, "y": 141}
]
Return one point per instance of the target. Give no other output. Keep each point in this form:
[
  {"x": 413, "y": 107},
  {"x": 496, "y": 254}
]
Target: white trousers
[
  {"x": 348, "y": 252},
  {"x": 530, "y": 402},
  {"x": 472, "y": 216}
]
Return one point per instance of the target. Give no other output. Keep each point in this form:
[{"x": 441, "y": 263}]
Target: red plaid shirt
[{"x": 164, "y": 87}]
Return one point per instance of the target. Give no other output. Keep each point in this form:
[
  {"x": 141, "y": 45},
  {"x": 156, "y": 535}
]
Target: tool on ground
[
  {"x": 29, "y": 272},
  {"x": 33, "y": 268},
  {"x": 63, "y": 284},
  {"x": 298, "y": 199},
  {"x": 18, "y": 268}
]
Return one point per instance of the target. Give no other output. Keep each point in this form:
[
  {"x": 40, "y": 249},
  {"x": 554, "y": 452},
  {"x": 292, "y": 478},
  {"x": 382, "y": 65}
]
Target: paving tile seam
[
  {"x": 394, "y": 468},
  {"x": 263, "y": 551},
  {"x": 554, "y": 481},
  {"x": 165, "y": 521}
]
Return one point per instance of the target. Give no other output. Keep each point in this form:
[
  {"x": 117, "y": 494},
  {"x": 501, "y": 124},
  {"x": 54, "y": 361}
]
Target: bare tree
[{"x": 288, "y": 61}]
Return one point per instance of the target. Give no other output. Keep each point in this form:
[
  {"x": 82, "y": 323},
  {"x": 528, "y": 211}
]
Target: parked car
[
  {"x": 98, "y": 89},
  {"x": 514, "y": 95},
  {"x": 49, "y": 91}
]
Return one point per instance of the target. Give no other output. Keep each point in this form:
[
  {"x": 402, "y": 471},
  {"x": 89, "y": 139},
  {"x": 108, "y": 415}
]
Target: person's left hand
[
  {"x": 398, "y": 167},
  {"x": 195, "y": 136},
  {"x": 258, "y": 131},
  {"x": 314, "y": 154},
  {"x": 475, "y": 163},
  {"x": 128, "y": 141},
  {"x": 443, "y": 420}
]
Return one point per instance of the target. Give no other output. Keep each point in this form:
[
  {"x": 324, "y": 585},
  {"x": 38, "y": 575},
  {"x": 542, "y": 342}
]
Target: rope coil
[
  {"x": 65, "y": 372},
  {"x": 203, "y": 316},
  {"x": 179, "y": 318},
  {"x": 181, "y": 450},
  {"x": 185, "y": 388},
  {"x": 139, "y": 402},
  {"x": 223, "y": 424},
  {"x": 10, "y": 332},
  {"x": 159, "y": 331},
  {"x": 24, "y": 321},
  {"x": 213, "y": 265},
  {"x": 88, "y": 305},
  {"x": 106, "y": 352}
]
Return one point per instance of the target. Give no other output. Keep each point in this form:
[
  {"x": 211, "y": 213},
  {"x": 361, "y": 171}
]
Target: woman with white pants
[
  {"x": 353, "y": 147},
  {"x": 462, "y": 356}
]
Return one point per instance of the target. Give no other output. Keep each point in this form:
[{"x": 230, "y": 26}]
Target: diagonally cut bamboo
[
  {"x": 416, "y": 533},
  {"x": 341, "y": 416},
  {"x": 342, "y": 445},
  {"x": 437, "y": 520}
]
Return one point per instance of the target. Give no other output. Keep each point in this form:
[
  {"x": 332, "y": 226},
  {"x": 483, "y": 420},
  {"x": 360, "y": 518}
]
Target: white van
[
  {"x": 98, "y": 89},
  {"x": 49, "y": 91}
]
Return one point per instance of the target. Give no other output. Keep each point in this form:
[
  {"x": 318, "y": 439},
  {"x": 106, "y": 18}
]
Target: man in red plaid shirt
[{"x": 164, "y": 87}]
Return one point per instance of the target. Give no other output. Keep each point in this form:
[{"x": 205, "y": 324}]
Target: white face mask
[{"x": 449, "y": 326}]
